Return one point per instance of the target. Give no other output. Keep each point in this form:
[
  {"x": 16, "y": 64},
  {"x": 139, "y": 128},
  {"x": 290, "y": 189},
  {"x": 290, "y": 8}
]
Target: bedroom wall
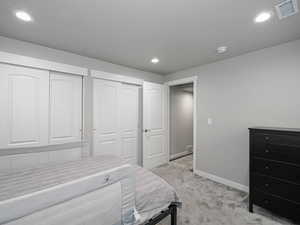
[
  {"x": 19, "y": 158},
  {"x": 181, "y": 114},
  {"x": 38, "y": 51},
  {"x": 257, "y": 89}
]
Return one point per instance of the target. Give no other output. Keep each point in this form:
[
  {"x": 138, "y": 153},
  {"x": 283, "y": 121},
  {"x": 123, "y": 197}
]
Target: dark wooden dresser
[{"x": 275, "y": 170}]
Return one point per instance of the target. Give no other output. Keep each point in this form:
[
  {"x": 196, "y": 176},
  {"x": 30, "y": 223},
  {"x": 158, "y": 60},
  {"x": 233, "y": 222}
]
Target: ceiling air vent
[{"x": 287, "y": 8}]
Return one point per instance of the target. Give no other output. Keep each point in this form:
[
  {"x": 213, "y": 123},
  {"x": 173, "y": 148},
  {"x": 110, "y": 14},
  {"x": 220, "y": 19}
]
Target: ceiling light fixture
[
  {"x": 222, "y": 49},
  {"x": 263, "y": 17},
  {"x": 155, "y": 60},
  {"x": 23, "y": 16}
]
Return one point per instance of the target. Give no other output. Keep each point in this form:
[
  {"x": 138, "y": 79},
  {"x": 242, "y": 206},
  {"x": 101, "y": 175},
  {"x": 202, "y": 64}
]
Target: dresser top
[{"x": 276, "y": 129}]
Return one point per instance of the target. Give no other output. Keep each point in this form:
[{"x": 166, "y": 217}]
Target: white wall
[
  {"x": 37, "y": 51},
  {"x": 261, "y": 88},
  {"x": 181, "y": 114}
]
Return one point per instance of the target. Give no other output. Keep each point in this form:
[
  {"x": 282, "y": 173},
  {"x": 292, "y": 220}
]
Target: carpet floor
[{"x": 206, "y": 202}]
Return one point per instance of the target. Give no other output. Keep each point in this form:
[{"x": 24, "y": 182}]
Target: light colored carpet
[{"x": 209, "y": 203}]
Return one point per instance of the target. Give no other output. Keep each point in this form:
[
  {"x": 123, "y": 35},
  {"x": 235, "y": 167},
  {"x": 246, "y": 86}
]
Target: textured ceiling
[{"x": 181, "y": 33}]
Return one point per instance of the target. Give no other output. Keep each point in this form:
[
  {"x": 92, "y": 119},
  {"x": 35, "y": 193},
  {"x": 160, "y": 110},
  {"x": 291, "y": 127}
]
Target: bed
[
  {"x": 94, "y": 191},
  {"x": 155, "y": 198}
]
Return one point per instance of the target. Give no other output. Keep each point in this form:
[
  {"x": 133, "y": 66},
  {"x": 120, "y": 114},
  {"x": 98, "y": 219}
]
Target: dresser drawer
[
  {"x": 276, "y": 169},
  {"x": 276, "y": 187},
  {"x": 277, "y": 139},
  {"x": 277, "y": 205},
  {"x": 277, "y": 147}
]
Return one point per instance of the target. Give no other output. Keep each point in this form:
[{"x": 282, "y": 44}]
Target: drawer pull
[
  {"x": 267, "y": 167},
  {"x": 267, "y": 151},
  {"x": 267, "y": 138},
  {"x": 267, "y": 185}
]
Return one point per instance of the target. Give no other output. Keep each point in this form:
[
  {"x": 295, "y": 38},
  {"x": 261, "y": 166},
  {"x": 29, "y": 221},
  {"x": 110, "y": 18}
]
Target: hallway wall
[{"x": 181, "y": 113}]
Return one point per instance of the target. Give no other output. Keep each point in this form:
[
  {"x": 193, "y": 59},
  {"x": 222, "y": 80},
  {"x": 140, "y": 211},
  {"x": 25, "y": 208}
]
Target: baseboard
[
  {"x": 221, "y": 180},
  {"x": 181, "y": 154},
  {"x": 189, "y": 148}
]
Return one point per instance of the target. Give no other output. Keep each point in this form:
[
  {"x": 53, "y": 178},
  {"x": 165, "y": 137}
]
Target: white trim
[
  {"x": 180, "y": 154},
  {"x": 182, "y": 81},
  {"x": 221, "y": 180},
  {"x": 195, "y": 88},
  {"x": 115, "y": 77},
  {"x": 167, "y": 121},
  {"x": 20, "y": 60}
]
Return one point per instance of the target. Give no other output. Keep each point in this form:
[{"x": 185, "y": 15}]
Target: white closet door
[
  {"x": 116, "y": 119},
  {"x": 24, "y": 106},
  {"x": 154, "y": 122},
  {"x": 65, "y": 108},
  {"x": 129, "y": 115},
  {"x": 106, "y": 139}
]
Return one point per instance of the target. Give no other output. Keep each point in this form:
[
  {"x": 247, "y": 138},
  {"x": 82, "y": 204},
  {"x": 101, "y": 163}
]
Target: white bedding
[
  {"x": 94, "y": 191},
  {"x": 153, "y": 194},
  {"x": 101, "y": 207},
  {"x": 23, "y": 193}
]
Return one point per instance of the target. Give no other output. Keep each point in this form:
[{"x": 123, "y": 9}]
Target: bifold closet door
[
  {"x": 106, "y": 139},
  {"x": 24, "y": 106},
  {"x": 129, "y": 122},
  {"x": 115, "y": 119},
  {"x": 65, "y": 108}
]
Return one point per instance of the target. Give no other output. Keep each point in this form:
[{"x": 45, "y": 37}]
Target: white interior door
[
  {"x": 65, "y": 108},
  {"x": 106, "y": 138},
  {"x": 24, "y": 100},
  {"x": 154, "y": 125},
  {"x": 129, "y": 118}
]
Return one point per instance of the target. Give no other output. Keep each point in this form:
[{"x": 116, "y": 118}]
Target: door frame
[{"x": 175, "y": 83}]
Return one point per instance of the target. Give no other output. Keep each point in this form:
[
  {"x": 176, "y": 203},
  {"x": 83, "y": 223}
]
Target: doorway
[{"x": 182, "y": 121}]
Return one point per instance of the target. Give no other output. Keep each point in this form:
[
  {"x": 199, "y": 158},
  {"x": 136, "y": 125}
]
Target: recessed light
[
  {"x": 155, "y": 60},
  {"x": 23, "y": 16},
  {"x": 263, "y": 17},
  {"x": 222, "y": 49}
]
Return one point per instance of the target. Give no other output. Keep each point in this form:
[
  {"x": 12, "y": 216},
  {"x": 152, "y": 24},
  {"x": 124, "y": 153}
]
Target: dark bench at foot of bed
[{"x": 172, "y": 211}]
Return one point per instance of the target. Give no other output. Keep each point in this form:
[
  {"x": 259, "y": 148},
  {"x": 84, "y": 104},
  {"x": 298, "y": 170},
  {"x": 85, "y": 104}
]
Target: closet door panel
[
  {"x": 24, "y": 106},
  {"x": 106, "y": 118},
  {"x": 65, "y": 108},
  {"x": 129, "y": 150},
  {"x": 129, "y": 106}
]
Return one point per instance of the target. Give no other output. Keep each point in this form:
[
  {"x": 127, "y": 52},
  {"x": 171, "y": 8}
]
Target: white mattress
[
  {"x": 24, "y": 192},
  {"x": 153, "y": 194},
  {"x": 100, "y": 207},
  {"x": 50, "y": 194}
]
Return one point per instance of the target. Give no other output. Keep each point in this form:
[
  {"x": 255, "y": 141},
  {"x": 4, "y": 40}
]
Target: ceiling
[{"x": 181, "y": 33}]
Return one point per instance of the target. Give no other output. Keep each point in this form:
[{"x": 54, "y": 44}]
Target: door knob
[{"x": 147, "y": 130}]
